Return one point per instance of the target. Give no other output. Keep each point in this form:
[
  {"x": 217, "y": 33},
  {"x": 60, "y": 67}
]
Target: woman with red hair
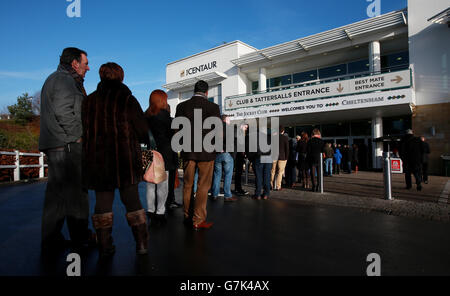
[{"x": 159, "y": 121}]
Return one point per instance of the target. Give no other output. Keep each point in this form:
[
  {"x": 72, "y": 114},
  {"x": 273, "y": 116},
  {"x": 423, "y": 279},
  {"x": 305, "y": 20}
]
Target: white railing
[{"x": 17, "y": 166}]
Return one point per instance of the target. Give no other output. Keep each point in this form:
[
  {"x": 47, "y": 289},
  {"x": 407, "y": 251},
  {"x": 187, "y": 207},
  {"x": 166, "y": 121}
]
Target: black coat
[
  {"x": 257, "y": 135},
  {"x": 209, "y": 109},
  {"x": 314, "y": 148},
  {"x": 426, "y": 152},
  {"x": 61, "y": 101},
  {"x": 412, "y": 152},
  {"x": 160, "y": 124},
  {"x": 293, "y": 149},
  {"x": 283, "y": 147}
]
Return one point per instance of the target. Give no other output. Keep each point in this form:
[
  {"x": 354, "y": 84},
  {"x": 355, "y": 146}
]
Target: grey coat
[{"x": 60, "y": 111}]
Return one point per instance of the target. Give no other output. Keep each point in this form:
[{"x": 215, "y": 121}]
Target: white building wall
[
  {"x": 222, "y": 56},
  {"x": 431, "y": 64}
]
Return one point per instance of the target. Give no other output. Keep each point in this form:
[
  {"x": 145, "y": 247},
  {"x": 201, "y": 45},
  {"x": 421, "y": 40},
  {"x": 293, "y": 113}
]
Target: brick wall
[{"x": 438, "y": 116}]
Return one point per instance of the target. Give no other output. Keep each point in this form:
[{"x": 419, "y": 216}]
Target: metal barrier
[{"x": 17, "y": 166}]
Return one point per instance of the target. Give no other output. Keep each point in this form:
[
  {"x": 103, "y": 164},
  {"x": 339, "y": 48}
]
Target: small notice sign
[{"x": 396, "y": 166}]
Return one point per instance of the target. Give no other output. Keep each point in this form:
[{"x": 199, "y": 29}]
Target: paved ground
[
  {"x": 365, "y": 190},
  {"x": 293, "y": 233}
]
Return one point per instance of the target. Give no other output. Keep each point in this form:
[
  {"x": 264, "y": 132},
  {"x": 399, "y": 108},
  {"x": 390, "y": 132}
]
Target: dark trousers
[
  {"x": 262, "y": 176},
  {"x": 65, "y": 197},
  {"x": 416, "y": 171},
  {"x": 315, "y": 175},
  {"x": 337, "y": 168},
  {"x": 239, "y": 165},
  {"x": 171, "y": 194},
  {"x": 291, "y": 173},
  {"x": 128, "y": 195},
  {"x": 349, "y": 167},
  {"x": 425, "y": 171}
]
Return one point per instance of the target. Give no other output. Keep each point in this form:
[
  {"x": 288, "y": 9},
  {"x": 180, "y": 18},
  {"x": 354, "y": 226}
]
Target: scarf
[{"x": 78, "y": 79}]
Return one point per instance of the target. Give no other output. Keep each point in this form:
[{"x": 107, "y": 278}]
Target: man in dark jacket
[
  {"x": 314, "y": 149},
  {"x": 262, "y": 163},
  {"x": 60, "y": 139},
  {"x": 279, "y": 166},
  {"x": 329, "y": 155},
  {"x": 240, "y": 161},
  {"x": 203, "y": 160},
  {"x": 412, "y": 155},
  {"x": 426, "y": 153},
  {"x": 291, "y": 166}
]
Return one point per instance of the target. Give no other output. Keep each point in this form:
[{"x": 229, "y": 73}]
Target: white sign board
[
  {"x": 386, "y": 98},
  {"x": 365, "y": 84}
]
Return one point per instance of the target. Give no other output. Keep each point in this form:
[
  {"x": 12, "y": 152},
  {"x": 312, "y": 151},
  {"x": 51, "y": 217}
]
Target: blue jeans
[
  {"x": 329, "y": 166},
  {"x": 195, "y": 181},
  {"x": 262, "y": 175},
  {"x": 227, "y": 162}
]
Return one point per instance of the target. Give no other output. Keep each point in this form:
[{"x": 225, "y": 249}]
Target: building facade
[{"x": 362, "y": 81}]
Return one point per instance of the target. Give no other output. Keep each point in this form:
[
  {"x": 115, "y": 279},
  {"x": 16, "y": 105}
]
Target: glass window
[
  {"x": 396, "y": 125},
  {"x": 395, "y": 61},
  {"x": 279, "y": 81},
  {"x": 304, "y": 76},
  {"x": 255, "y": 85},
  {"x": 358, "y": 66},
  {"x": 274, "y": 82},
  {"x": 333, "y": 71},
  {"x": 211, "y": 99},
  {"x": 336, "y": 130},
  {"x": 305, "y": 128},
  {"x": 361, "y": 128}
]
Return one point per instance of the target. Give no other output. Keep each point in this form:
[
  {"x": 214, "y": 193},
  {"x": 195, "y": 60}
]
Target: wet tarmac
[{"x": 249, "y": 238}]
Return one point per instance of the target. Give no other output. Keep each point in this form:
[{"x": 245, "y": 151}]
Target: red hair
[
  {"x": 111, "y": 71},
  {"x": 157, "y": 101}
]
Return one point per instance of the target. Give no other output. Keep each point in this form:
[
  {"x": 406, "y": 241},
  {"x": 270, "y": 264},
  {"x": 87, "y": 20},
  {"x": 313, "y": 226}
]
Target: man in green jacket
[{"x": 60, "y": 139}]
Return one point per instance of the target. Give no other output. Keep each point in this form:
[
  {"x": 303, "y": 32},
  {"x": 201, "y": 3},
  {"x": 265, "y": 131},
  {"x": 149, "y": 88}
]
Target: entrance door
[
  {"x": 364, "y": 148},
  {"x": 364, "y": 152},
  {"x": 340, "y": 140}
]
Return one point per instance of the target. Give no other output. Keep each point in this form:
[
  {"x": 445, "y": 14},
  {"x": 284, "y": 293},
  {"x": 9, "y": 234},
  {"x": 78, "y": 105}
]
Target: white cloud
[{"x": 32, "y": 75}]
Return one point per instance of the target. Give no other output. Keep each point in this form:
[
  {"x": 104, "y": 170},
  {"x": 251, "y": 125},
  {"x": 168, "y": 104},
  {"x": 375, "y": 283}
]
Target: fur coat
[{"x": 114, "y": 125}]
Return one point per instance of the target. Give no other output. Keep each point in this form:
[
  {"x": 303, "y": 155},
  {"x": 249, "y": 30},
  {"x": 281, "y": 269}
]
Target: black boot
[
  {"x": 103, "y": 226},
  {"x": 138, "y": 223}
]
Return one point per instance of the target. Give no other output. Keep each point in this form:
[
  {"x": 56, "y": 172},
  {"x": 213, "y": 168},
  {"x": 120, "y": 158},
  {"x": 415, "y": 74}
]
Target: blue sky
[{"x": 143, "y": 36}]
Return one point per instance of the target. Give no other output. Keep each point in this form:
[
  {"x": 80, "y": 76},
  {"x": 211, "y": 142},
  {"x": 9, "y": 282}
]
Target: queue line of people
[{"x": 93, "y": 142}]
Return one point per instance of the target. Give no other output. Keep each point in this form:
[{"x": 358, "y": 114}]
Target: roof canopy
[
  {"x": 442, "y": 17},
  {"x": 369, "y": 26},
  {"x": 191, "y": 81}
]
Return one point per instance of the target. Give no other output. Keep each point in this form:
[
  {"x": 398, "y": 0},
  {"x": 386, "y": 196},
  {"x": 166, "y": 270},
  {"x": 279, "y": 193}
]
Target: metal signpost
[
  {"x": 321, "y": 173},
  {"x": 387, "y": 176}
]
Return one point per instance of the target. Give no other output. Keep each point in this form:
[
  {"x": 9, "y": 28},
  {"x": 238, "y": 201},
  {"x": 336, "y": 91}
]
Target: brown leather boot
[
  {"x": 103, "y": 227},
  {"x": 138, "y": 223}
]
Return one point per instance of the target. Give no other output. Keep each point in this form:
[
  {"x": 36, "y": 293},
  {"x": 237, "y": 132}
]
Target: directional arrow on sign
[
  {"x": 397, "y": 79},
  {"x": 231, "y": 104},
  {"x": 340, "y": 88}
]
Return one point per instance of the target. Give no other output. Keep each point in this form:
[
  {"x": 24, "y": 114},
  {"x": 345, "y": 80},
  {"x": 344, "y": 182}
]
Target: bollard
[
  {"x": 321, "y": 173},
  {"x": 387, "y": 177},
  {"x": 41, "y": 163},
  {"x": 17, "y": 164}
]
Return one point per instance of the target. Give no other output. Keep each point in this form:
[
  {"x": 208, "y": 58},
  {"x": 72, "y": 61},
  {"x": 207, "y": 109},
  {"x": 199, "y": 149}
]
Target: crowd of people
[{"x": 93, "y": 142}]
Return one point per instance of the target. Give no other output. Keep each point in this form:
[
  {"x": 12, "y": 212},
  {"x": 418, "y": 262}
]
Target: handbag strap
[{"x": 151, "y": 141}]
